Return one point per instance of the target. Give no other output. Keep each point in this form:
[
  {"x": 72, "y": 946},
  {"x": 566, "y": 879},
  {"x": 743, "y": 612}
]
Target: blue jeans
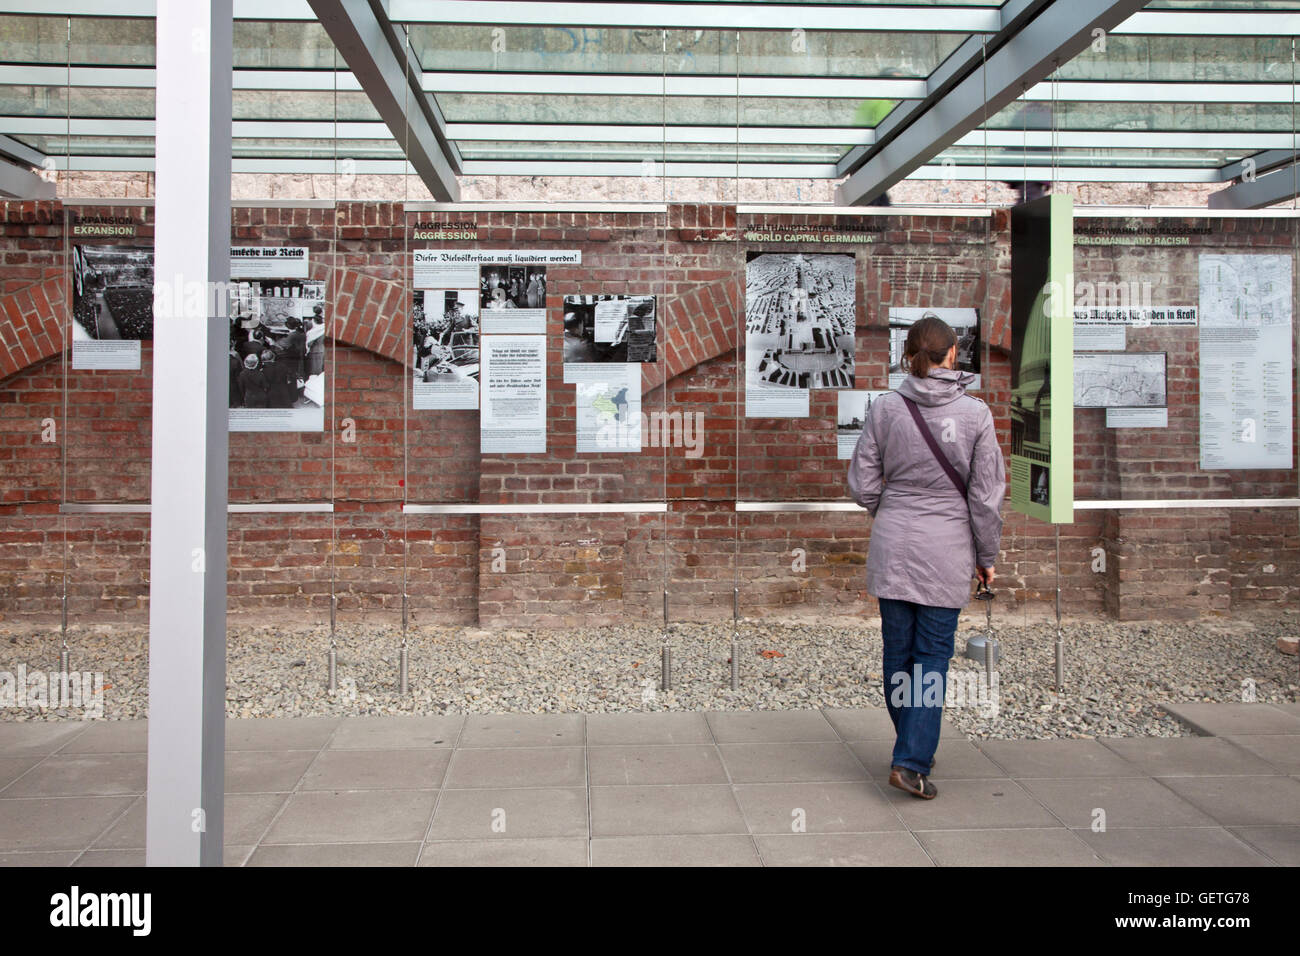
[{"x": 918, "y": 642}]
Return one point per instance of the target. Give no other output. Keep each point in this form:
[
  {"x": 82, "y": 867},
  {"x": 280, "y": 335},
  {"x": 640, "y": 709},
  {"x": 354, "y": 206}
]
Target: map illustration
[
  {"x": 1245, "y": 292},
  {"x": 610, "y": 408},
  {"x": 1119, "y": 379},
  {"x": 609, "y": 414}
]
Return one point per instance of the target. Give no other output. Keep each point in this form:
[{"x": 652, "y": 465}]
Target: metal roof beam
[
  {"x": 366, "y": 41},
  {"x": 955, "y": 67},
  {"x": 1278, "y": 186},
  {"x": 20, "y": 152},
  {"x": 20, "y": 182},
  {"x": 1060, "y": 31},
  {"x": 1261, "y": 162}
]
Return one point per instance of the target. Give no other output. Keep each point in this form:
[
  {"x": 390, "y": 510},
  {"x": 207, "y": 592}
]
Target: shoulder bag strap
[{"x": 934, "y": 446}]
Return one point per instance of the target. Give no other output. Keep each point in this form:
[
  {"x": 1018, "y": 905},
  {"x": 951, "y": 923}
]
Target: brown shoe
[{"x": 912, "y": 782}]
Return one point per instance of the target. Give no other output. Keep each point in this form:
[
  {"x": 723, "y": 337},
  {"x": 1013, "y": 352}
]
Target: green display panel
[{"x": 1042, "y": 359}]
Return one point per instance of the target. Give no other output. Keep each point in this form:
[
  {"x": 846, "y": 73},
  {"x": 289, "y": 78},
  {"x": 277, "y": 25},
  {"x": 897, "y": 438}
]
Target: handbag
[{"x": 934, "y": 447}]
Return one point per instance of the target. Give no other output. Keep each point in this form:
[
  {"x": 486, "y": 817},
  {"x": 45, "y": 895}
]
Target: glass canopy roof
[{"x": 1180, "y": 91}]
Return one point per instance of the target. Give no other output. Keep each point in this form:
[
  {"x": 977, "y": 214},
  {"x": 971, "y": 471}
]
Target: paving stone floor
[{"x": 766, "y": 788}]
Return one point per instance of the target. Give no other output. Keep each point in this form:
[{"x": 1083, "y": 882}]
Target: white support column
[{"x": 187, "y": 575}]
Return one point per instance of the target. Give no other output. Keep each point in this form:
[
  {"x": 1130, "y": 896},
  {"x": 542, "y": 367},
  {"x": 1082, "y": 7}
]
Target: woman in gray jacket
[{"x": 935, "y": 528}]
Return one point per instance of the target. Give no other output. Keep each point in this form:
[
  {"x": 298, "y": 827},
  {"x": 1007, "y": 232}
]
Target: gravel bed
[{"x": 1117, "y": 674}]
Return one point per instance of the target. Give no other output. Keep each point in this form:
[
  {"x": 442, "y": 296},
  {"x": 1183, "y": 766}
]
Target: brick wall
[{"x": 570, "y": 569}]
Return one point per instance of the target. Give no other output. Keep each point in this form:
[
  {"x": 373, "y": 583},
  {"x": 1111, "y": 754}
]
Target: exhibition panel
[
  {"x": 630, "y": 454},
  {"x": 828, "y": 301},
  {"x": 536, "y": 340},
  {"x": 1184, "y": 386},
  {"x": 1184, "y": 355},
  {"x": 107, "y": 367},
  {"x": 283, "y": 300}
]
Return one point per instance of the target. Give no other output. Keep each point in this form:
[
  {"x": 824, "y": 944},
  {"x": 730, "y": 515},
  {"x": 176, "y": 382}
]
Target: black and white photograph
[
  {"x": 851, "y": 418},
  {"x": 503, "y": 287},
  {"x": 445, "y": 344},
  {"x": 112, "y": 305},
  {"x": 965, "y": 322},
  {"x": 512, "y": 298},
  {"x": 277, "y": 355},
  {"x": 1038, "y": 484},
  {"x": 609, "y": 328},
  {"x": 799, "y": 326}
]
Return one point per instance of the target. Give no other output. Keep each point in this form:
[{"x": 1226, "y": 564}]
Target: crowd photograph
[{"x": 277, "y": 346}]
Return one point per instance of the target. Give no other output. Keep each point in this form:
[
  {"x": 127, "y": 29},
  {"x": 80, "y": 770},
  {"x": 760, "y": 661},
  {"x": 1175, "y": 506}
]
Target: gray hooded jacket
[{"x": 925, "y": 540}]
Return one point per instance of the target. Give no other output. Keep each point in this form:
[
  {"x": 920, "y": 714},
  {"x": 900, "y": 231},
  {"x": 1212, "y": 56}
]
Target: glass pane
[
  {"x": 318, "y": 148},
  {"x": 1010, "y": 156},
  {"x": 281, "y": 385},
  {"x": 563, "y": 49},
  {"x": 638, "y": 152},
  {"x": 1185, "y": 58},
  {"x": 676, "y": 110},
  {"x": 1207, "y": 268},
  {"x": 844, "y": 53},
  {"x": 118, "y": 41},
  {"x": 112, "y": 42},
  {"x": 1230, "y": 5},
  {"x": 302, "y": 105},
  {"x": 35, "y": 39},
  {"x": 92, "y": 145},
  {"x": 282, "y": 45},
  {"x": 34, "y": 100},
  {"x": 536, "y": 49},
  {"x": 1170, "y": 117}
]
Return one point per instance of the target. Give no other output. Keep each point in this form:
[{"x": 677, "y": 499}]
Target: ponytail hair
[{"x": 927, "y": 345}]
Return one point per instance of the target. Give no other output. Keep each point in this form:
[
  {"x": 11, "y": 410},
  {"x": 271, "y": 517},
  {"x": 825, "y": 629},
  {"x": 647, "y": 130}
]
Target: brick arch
[
  {"x": 371, "y": 313},
  {"x": 700, "y": 325},
  {"x": 31, "y": 284},
  {"x": 30, "y": 325}
]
